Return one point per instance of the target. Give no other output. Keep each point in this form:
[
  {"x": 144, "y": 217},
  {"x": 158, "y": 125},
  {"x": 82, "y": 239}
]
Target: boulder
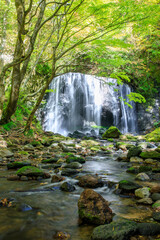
[
  {"x": 155, "y": 196},
  {"x": 56, "y": 178},
  {"x": 150, "y": 154},
  {"x": 73, "y": 165},
  {"x": 134, "y": 152},
  {"x": 33, "y": 172},
  {"x": 75, "y": 159},
  {"x": 121, "y": 230},
  {"x": 156, "y": 216},
  {"x": 93, "y": 208},
  {"x": 69, "y": 172},
  {"x": 147, "y": 201},
  {"x": 149, "y": 229},
  {"x": 155, "y": 188},
  {"x": 142, "y": 192},
  {"x": 112, "y": 132},
  {"x": 136, "y": 160},
  {"x": 67, "y": 187},
  {"x": 90, "y": 181},
  {"x": 156, "y": 206},
  {"x": 142, "y": 177},
  {"x": 16, "y": 165},
  {"x": 4, "y": 152},
  {"x": 144, "y": 169},
  {"x": 128, "y": 186}
]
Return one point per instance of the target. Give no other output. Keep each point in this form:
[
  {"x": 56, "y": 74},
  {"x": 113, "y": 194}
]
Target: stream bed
[{"x": 43, "y": 209}]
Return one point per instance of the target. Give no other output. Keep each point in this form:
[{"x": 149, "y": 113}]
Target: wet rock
[
  {"x": 128, "y": 186},
  {"x": 136, "y": 160},
  {"x": 156, "y": 176},
  {"x": 150, "y": 154},
  {"x": 132, "y": 170},
  {"x": 30, "y": 171},
  {"x": 93, "y": 208},
  {"x": 150, "y": 161},
  {"x": 156, "y": 216},
  {"x": 4, "y": 152},
  {"x": 142, "y": 177},
  {"x": 155, "y": 188},
  {"x": 147, "y": 201},
  {"x": 134, "y": 152},
  {"x": 155, "y": 196},
  {"x": 16, "y": 165},
  {"x": 143, "y": 145},
  {"x": 24, "y": 178},
  {"x": 67, "y": 187},
  {"x": 73, "y": 165},
  {"x": 51, "y": 160},
  {"x": 156, "y": 206},
  {"x": 90, "y": 181},
  {"x": 142, "y": 192},
  {"x": 121, "y": 230},
  {"x": 149, "y": 229},
  {"x": 13, "y": 178},
  {"x": 75, "y": 159},
  {"x": 112, "y": 132},
  {"x": 123, "y": 157},
  {"x": 56, "y": 178},
  {"x": 144, "y": 169},
  {"x": 62, "y": 236},
  {"x": 69, "y": 172}
]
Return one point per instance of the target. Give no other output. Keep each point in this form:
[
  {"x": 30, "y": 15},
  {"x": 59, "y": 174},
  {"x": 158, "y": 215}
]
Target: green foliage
[
  {"x": 43, "y": 69},
  {"x": 9, "y": 126},
  {"x": 121, "y": 77},
  {"x": 136, "y": 97}
]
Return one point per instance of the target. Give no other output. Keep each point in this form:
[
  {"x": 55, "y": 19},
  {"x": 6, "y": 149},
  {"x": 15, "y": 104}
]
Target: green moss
[
  {"x": 131, "y": 170},
  {"x": 112, "y": 132},
  {"x": 156, "y": 204},
  {"x": 29, "y": 171},
  {"x": 23, "y": 153},
  {"x": 151, "y": 154},
  {"x": 75, "y": 159},
  {"x": 17, "y": 164},
  {"x": 144, "y": 169},
  {"x": 51, "y": 160},
  {"x": 110, "y": 139},
  {"x": 35, "y": 143},
  {"x": 153, "y": 136}
]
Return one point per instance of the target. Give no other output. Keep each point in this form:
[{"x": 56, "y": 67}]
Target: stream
[{"x": 44, "y": 209}]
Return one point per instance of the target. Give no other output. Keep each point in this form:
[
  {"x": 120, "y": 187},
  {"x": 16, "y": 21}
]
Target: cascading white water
[
  {"x": 79, "y": 100},
  {"x": 74, "y": 104}
]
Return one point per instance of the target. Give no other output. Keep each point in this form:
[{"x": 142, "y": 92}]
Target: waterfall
[
  {"x": 74, "y": 104},
  {"x": 79, "y": 101}
]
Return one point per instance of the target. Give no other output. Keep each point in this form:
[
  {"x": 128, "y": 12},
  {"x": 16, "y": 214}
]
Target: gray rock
[
  {"x": 6, "y": 153},
  {"x": 142, "y": 192},
  {"x": 73, "y": 165},
  {"x": 67, "y": 187},
  {"x": 121, "y": 230},
  {"x": 142, "y": 177},
  {"x": 155, "y": 196}
]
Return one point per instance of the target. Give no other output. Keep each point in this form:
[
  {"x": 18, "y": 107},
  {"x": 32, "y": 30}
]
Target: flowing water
[
  {"x": 79, "y": 100},
  {"x": 54, "y": 210}
]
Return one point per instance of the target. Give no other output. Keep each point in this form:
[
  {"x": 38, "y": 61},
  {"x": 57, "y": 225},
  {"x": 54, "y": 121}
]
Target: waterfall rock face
[{"x": 79, "y": 101}]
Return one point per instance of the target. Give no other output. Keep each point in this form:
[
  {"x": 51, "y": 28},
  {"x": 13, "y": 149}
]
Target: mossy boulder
[
  {"x": 93, "y": 208},
  {"x": 144, "y": 169},
  {"x": 112, "y": 132},
  {"x": 132, "y": 170},
  {"x": 30, "y": 171},
  {"x": 134, "y": 151},
  {"x": 120, "y": 230},
  {"x": 75, "y": 159},
  {"x": 16, "y": 165},
  {"x": 150, "y": 154},
  {"x": 35, "y": 143},
  {"x": 51, "y": 160},
  {"x": 67, "y": 187},
  {"x": 153, "y": 136},
  {"x": 128, "y": 186}
]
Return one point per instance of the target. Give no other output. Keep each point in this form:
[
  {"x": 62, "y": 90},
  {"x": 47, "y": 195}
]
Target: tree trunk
[{"x": 39, "y": 100}]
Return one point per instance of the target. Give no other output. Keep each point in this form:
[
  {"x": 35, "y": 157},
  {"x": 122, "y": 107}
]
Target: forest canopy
[{"x": 44, "y": 39}]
